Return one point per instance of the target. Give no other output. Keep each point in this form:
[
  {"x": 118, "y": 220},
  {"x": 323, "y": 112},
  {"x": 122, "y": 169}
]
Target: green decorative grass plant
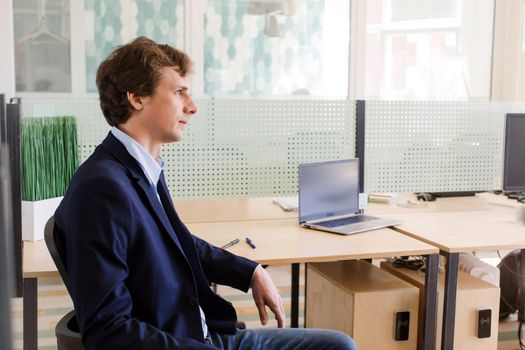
[{"x": 49, "y": 151}]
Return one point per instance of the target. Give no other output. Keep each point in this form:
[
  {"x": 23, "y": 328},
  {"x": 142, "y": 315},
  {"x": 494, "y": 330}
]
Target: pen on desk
[
  {"x": 250, "y": 242},
  {"x": 503, "y": 205},
  {"x": 229, "y": 244}
]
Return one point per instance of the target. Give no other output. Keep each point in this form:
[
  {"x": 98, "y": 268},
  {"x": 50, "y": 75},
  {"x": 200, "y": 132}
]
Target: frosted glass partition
[
  {"x": 92, "y": 127},
  {"x": 434, "y": 146},
  {"x": 232, "y": 147},
  {"x": 251, "y": 147}
]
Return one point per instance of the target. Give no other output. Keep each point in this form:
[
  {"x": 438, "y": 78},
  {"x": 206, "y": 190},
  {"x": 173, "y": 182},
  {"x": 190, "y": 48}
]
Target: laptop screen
[{"x": 328, "y": 189}]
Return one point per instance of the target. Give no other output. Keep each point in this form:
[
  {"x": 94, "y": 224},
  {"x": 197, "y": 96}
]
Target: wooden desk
[
  {"x": 481, "y": 201},
  {"x": 285, "y": 242},
  {"x": 237, "y": 209},
  {"x": 36, "y": 263},
  {"x": 230, "y": 209},
  {"x": 279, "y": 240},
  {"x": 483, "y": 222},
  {"x": 467, "y": 231}
]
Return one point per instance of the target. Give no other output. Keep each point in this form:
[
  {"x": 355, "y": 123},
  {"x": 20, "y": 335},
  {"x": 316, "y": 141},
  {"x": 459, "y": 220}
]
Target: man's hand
[{"x": 265, "y": 294}]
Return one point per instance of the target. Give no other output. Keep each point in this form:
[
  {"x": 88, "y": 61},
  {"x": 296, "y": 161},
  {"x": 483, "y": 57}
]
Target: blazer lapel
[
  {"x": 183, "y": 234},
  {"x": 159, "y": 211},
  {"x": 119, "y": 152}
]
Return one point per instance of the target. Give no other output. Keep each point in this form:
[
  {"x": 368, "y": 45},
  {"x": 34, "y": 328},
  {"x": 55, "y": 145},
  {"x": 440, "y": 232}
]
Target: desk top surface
[
  {"x": 452, "y": 224},
  {"x": 285, "y": 242},
  {"x": 408, "y": 204},
  {"x": 275, "y": 231},
  {"x": 230, "y": 209},
  {"x": 463, "y": 224},
  {"x": 234, "y": 209},
  {"x": 467, "y": 231}
]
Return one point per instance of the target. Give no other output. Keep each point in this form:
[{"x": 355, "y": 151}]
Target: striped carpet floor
[
  {"x": 508, "y": 334},
  {"x": 54, "y": 302}
]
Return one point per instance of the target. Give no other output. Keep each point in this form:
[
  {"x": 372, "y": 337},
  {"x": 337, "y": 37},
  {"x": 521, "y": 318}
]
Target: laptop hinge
[{"x": 331, "y": 218}]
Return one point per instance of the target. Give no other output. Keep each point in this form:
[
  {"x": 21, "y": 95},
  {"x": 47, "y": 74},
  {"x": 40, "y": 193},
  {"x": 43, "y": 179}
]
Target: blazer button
[{"x": 193, "y": 301}]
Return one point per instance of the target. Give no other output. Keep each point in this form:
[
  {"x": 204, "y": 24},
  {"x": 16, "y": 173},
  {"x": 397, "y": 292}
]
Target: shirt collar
[{"x": 150, "y": 166}]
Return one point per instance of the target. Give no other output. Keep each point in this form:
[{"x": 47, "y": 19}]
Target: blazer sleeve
[
  {"x": 98, "y": 221},
  {"x": 223, "y": 267}
]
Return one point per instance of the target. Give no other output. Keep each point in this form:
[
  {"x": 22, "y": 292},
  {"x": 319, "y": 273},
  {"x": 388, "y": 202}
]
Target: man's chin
[{"x": 173, "y": 138}]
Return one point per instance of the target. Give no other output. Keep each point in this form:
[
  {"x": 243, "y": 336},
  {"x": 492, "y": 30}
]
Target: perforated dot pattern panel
[
  {"x": 232, "y": 147},
  {"x": 251, "y": 147},
  {"x": 92, "y": 127},
  {"x": 434, "y": 146}
]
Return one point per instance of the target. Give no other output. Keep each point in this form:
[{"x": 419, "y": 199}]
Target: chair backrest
[
  {"x": 57, "y": 250},
  {"x": 68, "y": 336}
]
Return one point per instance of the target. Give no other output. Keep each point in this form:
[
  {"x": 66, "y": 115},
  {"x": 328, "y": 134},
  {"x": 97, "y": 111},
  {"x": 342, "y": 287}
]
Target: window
[
  {"x": 279, "y": 47},
  {"x": 112, "y": 23},
  {"x": 42, "y": 46},
  {"x": 424, "y": 49},
  {"x": 401, "y": 49},
  {"x": 247, "y": 47}
]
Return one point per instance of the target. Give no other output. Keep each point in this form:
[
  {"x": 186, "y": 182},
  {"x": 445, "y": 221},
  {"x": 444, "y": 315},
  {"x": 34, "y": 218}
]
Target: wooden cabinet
[
  {"x": 361, "y": 300},
  {"x": 472, "y": 295}
]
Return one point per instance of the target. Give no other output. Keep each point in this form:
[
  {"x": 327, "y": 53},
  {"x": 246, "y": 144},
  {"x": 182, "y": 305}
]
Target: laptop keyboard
[{"x": 345, "y": 221}]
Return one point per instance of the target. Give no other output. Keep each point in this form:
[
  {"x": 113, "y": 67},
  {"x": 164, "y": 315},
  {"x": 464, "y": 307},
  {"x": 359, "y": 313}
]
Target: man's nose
[{"x": 189, "y": 107}]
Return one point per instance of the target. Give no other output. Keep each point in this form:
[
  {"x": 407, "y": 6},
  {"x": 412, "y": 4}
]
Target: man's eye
[{"x": 178, "y": 92}]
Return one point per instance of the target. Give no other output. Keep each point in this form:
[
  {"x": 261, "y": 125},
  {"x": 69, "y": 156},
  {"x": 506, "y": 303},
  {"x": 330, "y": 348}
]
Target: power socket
[
  {"x": 484, "y": 323},
  {"x": 401, "y": 326}
]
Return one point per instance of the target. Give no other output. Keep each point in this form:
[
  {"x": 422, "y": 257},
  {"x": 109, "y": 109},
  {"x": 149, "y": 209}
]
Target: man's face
[{"x": 166, "y": 112}]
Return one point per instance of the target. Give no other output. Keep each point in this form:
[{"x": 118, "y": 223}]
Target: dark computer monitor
[{"x": 514, "y": 156}]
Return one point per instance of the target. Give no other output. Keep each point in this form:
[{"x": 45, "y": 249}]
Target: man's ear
[{"x": 135, "y": 101}]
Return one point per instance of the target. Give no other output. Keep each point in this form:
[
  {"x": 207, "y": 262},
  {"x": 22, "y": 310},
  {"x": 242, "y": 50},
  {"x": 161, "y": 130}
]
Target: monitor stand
[
  {"x": 514, "y": 195},
  {"x": 454, "y": 194}
]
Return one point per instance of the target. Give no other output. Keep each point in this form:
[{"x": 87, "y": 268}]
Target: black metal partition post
[
  {"x": 6, "y": 270},
  {"x": 449, "y": 302},
  {"x": 431, "y": 276},
  {"x": 430, "y": 302},
  {"x": 295, "y": 296},
  {"x": 5, "y": 257},
  {"x": 13, "y": 120},
  {"x": 360, "y": 141}
]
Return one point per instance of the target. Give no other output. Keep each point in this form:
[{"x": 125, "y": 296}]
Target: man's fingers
[
  {"x": 265, "y": 294},
  {"x": 277, "y": 309},
  {"x": 281, "y": 322},
  {"x": 284, "y": 314},
  {"x": 263, "y": 315}
]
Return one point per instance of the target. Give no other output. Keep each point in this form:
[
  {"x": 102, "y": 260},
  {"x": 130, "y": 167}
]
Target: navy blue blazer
[{"x": 137, "y": 274}]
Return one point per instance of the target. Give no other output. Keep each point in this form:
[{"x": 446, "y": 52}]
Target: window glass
[
  {"x": 276, "y": 47},
  {"x": 42, "y": 45},
  {"x": 112, "y": 23},
  {"x": 424, "y": 49}
]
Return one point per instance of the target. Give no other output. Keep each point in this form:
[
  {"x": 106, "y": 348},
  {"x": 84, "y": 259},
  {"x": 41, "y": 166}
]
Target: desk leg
[
  {"x": 305, "y": 285},
  {"x": 430, "y": 303},
  {"x": 30, "y": 302},
  {"x": 295, "y": 296},
  {"x": 449, "y": 305}
]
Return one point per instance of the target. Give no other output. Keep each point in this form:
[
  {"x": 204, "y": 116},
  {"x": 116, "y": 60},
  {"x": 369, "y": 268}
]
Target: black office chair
[{"x": 66, "y": 331}]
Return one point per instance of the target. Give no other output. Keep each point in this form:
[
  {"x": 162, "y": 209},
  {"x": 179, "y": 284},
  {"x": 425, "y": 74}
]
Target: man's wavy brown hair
[{"x": 134, "y": 67}]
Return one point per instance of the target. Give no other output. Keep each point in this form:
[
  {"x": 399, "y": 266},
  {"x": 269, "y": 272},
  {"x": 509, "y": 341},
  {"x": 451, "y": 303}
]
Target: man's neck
[{"x": 153, "y": 148}]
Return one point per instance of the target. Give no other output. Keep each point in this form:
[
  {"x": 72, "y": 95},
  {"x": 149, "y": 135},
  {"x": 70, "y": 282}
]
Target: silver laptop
[{"x": 329, "y": 198}]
